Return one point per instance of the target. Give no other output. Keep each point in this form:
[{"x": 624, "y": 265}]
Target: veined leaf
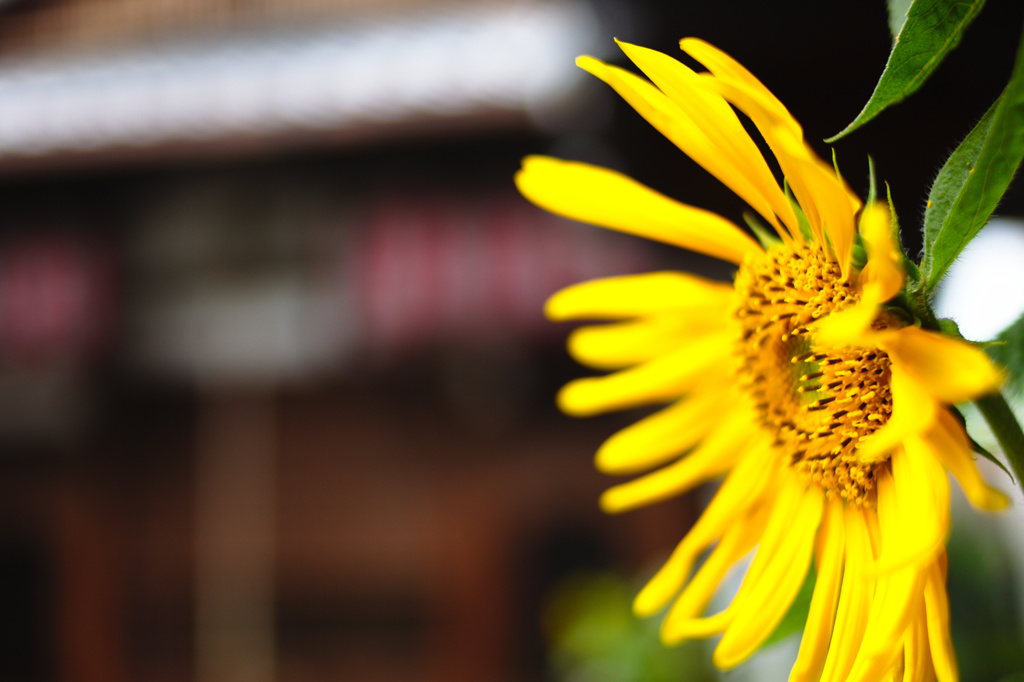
[
  {"x": 930, "y": 30},
  {"x": 973, "y": 180},
  {"x": 952, "y": 178}
]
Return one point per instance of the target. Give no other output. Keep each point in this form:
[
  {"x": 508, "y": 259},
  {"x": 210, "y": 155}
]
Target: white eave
[{"x": 512, "y": 58}]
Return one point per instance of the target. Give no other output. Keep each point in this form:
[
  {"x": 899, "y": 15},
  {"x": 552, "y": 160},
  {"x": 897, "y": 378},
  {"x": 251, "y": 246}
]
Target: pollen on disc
[{"x": 817, "y": 405}]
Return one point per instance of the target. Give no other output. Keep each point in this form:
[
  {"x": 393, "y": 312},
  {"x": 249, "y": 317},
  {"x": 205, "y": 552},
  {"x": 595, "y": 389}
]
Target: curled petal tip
[
  {"x": 611, "y": 502},
  {"x": 660, "y": 590},
  {"x": 605, "y": 460},
  {"x": 647, "y": 603},
  {"x": 994, "y": 501},
  {"x": 571, "y": 399},
  {"x": 554, "y": 310}
]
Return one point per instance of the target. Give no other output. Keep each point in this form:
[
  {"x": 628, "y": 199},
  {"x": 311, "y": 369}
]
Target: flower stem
[
  {"x": 917, "y": 302},
  {"x": 1001, "y": 419}
]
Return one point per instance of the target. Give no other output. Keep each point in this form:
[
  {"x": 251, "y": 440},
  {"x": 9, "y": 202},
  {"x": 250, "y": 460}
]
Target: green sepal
[
  {"x": 909, "y": 266},
  {"x": 835, "y": 165},
  {"x": 801, "y": 217},
  {"x": 897, "y": 307},
  {"x": 950, "y": 327},
  {"x": 858, "y": 256},
  {"x": 764, "y": 235},
  {"x": 894, "y": 222},
  {"x": 973, "y": 180},
  {"x": 931, "y": 30},
  {"x": 872, "y": 182}
]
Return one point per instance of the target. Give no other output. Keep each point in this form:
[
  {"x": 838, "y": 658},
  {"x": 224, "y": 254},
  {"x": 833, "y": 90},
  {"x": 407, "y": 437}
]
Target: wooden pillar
[
  {"x": 235, "y": 529},
  {"x": 90, "y": 588}
]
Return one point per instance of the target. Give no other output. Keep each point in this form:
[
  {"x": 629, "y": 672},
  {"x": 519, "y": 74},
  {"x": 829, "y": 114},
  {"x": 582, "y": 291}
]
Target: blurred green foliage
[
  {"x": 984, "y": 601},
  {"x": 594, "y": 637}
]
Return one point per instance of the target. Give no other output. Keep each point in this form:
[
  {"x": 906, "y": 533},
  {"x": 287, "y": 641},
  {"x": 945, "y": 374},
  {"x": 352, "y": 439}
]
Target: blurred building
[
  {"x": 275, "y": 386},
  {"x": 276, "y": 392}
]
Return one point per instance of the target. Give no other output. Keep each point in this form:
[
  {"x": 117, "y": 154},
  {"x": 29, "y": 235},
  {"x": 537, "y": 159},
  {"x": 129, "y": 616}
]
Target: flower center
[{"x": 817, "y": 405}]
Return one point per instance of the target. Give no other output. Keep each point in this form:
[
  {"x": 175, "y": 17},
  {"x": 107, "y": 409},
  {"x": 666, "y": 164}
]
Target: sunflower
[{"x": 822, "y": 403}]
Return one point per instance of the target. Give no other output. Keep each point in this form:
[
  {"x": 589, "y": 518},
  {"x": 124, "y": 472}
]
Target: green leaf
[
  {"x": 973, "y": 180},
  {"x": 1009, "y": 352},
  {"x": 977, "y": 447},
  {"x": 929, "y": 31},
  {"x": 898, "y": 15},
  {"x": 949, "y": 183},
  {"x": 1006, "y": 429}
]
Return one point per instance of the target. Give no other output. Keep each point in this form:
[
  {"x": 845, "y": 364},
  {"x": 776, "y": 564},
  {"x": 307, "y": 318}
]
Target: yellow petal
[
  {"x": 874, "y": 536},
  {"x": 913, "y": 508},
  {"x": 937, "y": 609},
  {"x": 696, "y": 628},
  {"x": 661, "y": 380},
  {"x": 918, "y": 666},
  {"x": 725, "y": 67},
  {"x": 952, "y": 371},
  {"x": 604, "y": 197},
  {"x": 616, "y": 298},
  {"x": 614, "y": 346},
  {"x": 854, "y": 599},
  {"x": 909, "y": 538},
  {"x": 913, "y": 411},
  {"x": 712, "y": 458},
  {"x": 677, "y": 125},
  {"x": 765, "y": 602},
  {"x": 741, "y": 490},
  {"x": 948, "y": 441},
  {"x": 882, "y": 276},
  {"x": 848, "y": 327},
  {"x": 897, "y": 600},
  {"x": 713, "y": 116},
  {"x": 777, "y": 126},
  {"x": 784, "y": 140},
  {"x": 823, "y": 197},
  {"x": 827, "y": 193},
  {"x": 788, "y": 496},
  {"x": 818, "y": 630},
  {"x": 663, "y": 435},
  {"x": 737, "y": 542},
  {"x": 895, "y": 673},
  {"x": 880, "y": 280}
]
